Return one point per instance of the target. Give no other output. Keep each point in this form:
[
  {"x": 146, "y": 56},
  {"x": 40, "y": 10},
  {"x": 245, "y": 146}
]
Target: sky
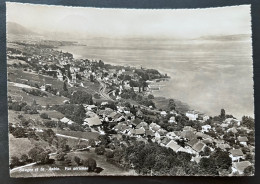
[{"x": 108, "y": 22}]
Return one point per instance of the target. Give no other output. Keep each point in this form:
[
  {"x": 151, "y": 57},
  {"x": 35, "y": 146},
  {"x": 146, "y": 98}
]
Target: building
[
  {"x": 192, "y": 115},
  {"x": 236, "y": 154}
]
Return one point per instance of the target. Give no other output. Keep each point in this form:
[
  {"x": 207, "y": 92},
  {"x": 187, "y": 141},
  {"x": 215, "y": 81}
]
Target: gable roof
[
  {"x": 149, "y": 132},
  {"x": 204, "y": 136},
  {"x": 192, "y": 142},
  {"x": 242, "y": 139},
  {"x": 188, "y": 134},
  {"x": 173, "y": 145},
  {"x": 241, "y": 166},
  {"x": 142, "y": 124},
  {"x": 171, "y": 134},
  {"x": 236, "y": 152},
  {"x": 94, "y": 121},
  {"x": 64, "y": 120},
  {"x": 199, "y": 146},
  {"x": 165, "y": 141},
  {"x": 188, "y": 128},
  {"x": 140, "y": 131},
  {"x": 136, "y": 121},
  {"x": 223, "y": 146}
]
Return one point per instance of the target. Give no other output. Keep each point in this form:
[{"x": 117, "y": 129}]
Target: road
[{"x": 102, "y": 91}]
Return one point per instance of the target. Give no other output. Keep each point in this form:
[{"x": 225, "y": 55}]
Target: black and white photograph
[{"x": 129, "y": 92}]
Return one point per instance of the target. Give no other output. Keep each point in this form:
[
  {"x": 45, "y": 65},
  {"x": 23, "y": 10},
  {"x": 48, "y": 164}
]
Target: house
[
  {"x": 188, "y": 135},
  {"x": 205, "y": 128},
  {"x": 224, "y": 125},
  {"x": 223, "y": 146},
  {"x": 199, "y": 146},
  {"x": 163, "y": 113},
  {"x": 189, "y": 128},
  {"x": 192, "y": 115},
  {"x": 154, "y": 127},
  {"x": 165, "y": 141},
  {"x": 236, "y": 154},
  {"x": 149, "y": 133},
  {"x": 242, "y": 140},
  {"x": 140, "y": 131},
  {"x": 205, "y": 118},
  {"x": 92, "y": 122},
  {"x": 240, "y": 166},
  {"x": 173, "y": 145},
  {"x": 232, "y": 121},
  {"x": 171, "y": 135},
  {"x": 203, "y": 136},
  {"x": 66, "y": 120},
  {"x": 143, "y": 124},
  {"x": 135, "y": 122},
  {"x": 192, "y": 142},
  {"x": 73, "y": 78},
  {"x": 104, "y": 103},
  {"x": 172, "y": 119},
  {"x": 233, "y": 130}
]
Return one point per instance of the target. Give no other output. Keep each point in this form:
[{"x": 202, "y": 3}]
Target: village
[{"x": 117, "y": 105}]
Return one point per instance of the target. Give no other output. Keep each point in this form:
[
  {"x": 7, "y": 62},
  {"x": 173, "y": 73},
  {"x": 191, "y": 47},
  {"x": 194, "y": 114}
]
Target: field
[
  {"x": 19, "y": 146},
  {"x": 18, "y": 75},
  {"x": 84, "y": 135},
  {"x": 162, "y": 103},
  {"x": 18, "y": 94},
  {"x": 16, "y": 61},
  {"x": 104, "y": 168}
]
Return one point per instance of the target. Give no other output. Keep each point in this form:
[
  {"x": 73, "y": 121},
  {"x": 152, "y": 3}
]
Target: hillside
[{"x": 15, "y": 28}]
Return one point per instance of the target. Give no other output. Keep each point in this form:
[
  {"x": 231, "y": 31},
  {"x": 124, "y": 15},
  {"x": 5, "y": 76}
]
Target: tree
[
  {"x": 14, "y": 161},
  {"x": 39, "y": 155},
  {"x": 90, "y": 163},
  {"x": 248, "y": 122},
  {"x": 105, "y": 140},
  {"x": 77, "y": 160},
  {"x": 44, "y": 116},
  {"x": 91, "y": 78},
  {"x": 24, "y": 158},
  {"x": 65, "y": 88},
  {"x": 92, "y": 142},
  {"x": 150, "y": 96},
  {"x": 222, "y": 114},
  {"x": 60, "y": 156},
  {"x": 81, "y": 97},
  {"x": 100, "y": 150}
]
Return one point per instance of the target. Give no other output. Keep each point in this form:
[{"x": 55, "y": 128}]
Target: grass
[
  {"x": 19, "y": 146},
  {"x": 16, "y": 61},
  {"x": 162, "y": 103},
  {"x": 85, "y": 135},
  {"x": 13, "y": 116},
  {"x": 53, "y": 114},
  {"x": 17, "y": 75},
  {"x": 105, "y": 167},
  {"x": 51, "y": 99}
]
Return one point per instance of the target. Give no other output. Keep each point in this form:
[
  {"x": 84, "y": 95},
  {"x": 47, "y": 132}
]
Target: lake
[{"x": 207, "y": 74}]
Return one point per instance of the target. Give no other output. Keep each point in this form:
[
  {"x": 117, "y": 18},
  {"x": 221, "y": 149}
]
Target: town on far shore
[{"x": 105, "y": 120}]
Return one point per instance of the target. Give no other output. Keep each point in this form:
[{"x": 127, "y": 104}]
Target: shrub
[
  {"x": 100, "y": 150},
  {"x": 44, "y": 116},
  {"x": 77, "y": 160},
  {"x": 60, "y": 156},
  {"x": 90, "y": 163},
  {"x": 24, "y": 158},
  {"x": 14, "y": 162},
  {"x": 39, "y": 155}
]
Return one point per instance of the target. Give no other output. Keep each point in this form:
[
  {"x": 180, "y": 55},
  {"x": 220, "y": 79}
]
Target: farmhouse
[
  {"x": 236, "y": 154},
  {"x": 240, "y": 166},
  {"x": 242, "y": 140}
]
